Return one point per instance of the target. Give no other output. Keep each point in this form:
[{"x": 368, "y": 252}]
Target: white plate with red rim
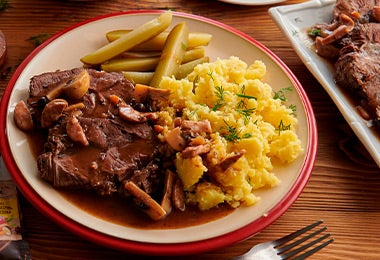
[
  {"x": 294, "y": 21},
  {"x": 63, "y": 51}
]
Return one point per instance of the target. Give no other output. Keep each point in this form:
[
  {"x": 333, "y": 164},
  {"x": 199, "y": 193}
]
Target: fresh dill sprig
[
  {"x": 242, "y": 106},
  {"x": 281, "y": 94},
  {"x": 210, "y": 74},
  {"x": 245, "y": 96},
  {"x": 246, "y": 113},
  {"x": 282, "y": 127},
  {"x": 233, "y": 135},
  {"x": 219, "y": 93},
  {"x": 294, "y": 109},
  {"x": 246, "y": 135}
]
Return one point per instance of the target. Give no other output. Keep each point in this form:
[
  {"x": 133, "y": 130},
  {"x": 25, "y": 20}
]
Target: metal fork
[{"x": 286, "y": 248}]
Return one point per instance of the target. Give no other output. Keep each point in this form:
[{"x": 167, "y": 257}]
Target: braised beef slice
[
  {"x": 360, "y": 72},
  {"x": 118, "y": 151},
  {"x": 349, "y": 7},
  {"x": 356, "y": 54},
  {"x": 41, "y": 84}
]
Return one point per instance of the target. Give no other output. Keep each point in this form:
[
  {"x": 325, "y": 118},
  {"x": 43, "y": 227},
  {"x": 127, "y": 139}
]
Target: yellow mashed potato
[{"x": 244, "y": 115}]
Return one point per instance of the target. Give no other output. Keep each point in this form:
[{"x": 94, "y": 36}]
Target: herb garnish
[
  {"x": 3, "y": 4},
  {"x": 315, "y": 32},
  {"x": 245, "y": 96},
  {"x": 281, "y": 127},
  {"x": 242, "y": 106},
  {"x": 281, "y": 94},
  {"x": 294, "y": 109},
  {"x": 39, "y": 39},
  {"x": 233, "y": 133},
  {"x": 219, "y": 93}
]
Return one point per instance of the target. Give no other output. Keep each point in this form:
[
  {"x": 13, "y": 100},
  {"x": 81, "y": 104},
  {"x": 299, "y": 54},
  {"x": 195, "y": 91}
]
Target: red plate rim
[{"x": 153, "y": 248}]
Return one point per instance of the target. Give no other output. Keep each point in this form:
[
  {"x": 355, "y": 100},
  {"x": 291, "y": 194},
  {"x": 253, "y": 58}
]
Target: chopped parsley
[{"x": 315, "y": 32}]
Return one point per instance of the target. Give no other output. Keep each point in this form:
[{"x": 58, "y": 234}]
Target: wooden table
[{"x": 342, "y": 192}]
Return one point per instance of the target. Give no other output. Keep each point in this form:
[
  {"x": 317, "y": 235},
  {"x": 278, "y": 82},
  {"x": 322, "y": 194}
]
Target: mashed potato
[{"x": 245, "y": 116}]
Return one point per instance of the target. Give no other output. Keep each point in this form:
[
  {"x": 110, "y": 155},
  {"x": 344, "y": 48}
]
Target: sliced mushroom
[
  {"x": 74, "y": 88},
  {"x": 336, "y": 35},
  {"x": 175, "y": 140},
  {"x": 178, "y": 195},
  {"x": 144, "y": 92},
  {"x": 166, "y": 202},
  {"x": 230, "y": 160},
  {"x": 128, "y": 113},
  {"x": 153, "y": 209},
  {"x": 23, "y": 117},
  {"x": 54, "y": 92},
  {"x": 78, "y": 86},
  {"x": 52, "y": 112},
  {"x": 75, "y": 107},
  {"x": 75, "y": 131}
]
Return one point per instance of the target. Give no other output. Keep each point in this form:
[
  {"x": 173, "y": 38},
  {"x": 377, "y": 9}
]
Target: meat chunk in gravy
[
  {"x": 352, "y": 42},
  {"x": 91, "y": 144}
]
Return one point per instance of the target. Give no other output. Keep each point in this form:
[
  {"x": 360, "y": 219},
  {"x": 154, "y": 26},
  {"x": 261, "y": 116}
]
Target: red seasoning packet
[{"x": 12, "y": 244}]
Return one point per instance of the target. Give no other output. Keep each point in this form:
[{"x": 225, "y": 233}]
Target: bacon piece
[
  {"x": 192, "y": 151},
  {"x": 175, "y": 139},
  {"x": 203, "y": 126}
]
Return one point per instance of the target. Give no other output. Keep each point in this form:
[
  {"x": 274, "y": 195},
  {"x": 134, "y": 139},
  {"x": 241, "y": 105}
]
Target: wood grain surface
[{"x": 342, "y": 192}]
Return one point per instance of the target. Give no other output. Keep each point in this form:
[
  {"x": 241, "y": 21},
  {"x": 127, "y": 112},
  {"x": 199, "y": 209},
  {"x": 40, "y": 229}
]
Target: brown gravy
[{"x": 117, "y": 210}]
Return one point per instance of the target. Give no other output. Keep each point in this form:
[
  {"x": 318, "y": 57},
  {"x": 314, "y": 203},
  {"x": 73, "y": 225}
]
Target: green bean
[
  {"x": 144, "y": 78},
  {"x": 193, "y": 54},
  {"x": 137, "y": 77},
  {"x": 145, "y": 63},
  {"x": 142, "y": 33},
  {"x": 132, "y": 64},
  {"x": 157, "y": 43},
  {"x": 172, "y": 54},
  {"x": 186, "y": 68}
]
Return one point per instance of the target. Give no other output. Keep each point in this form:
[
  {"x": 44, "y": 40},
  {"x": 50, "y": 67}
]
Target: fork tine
[
  {"x": 300, "y": 249},
  {"x": 315, "y": 249},
  {"x": 295, "y": 234},
  {"x": 299, "y": 241}
]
